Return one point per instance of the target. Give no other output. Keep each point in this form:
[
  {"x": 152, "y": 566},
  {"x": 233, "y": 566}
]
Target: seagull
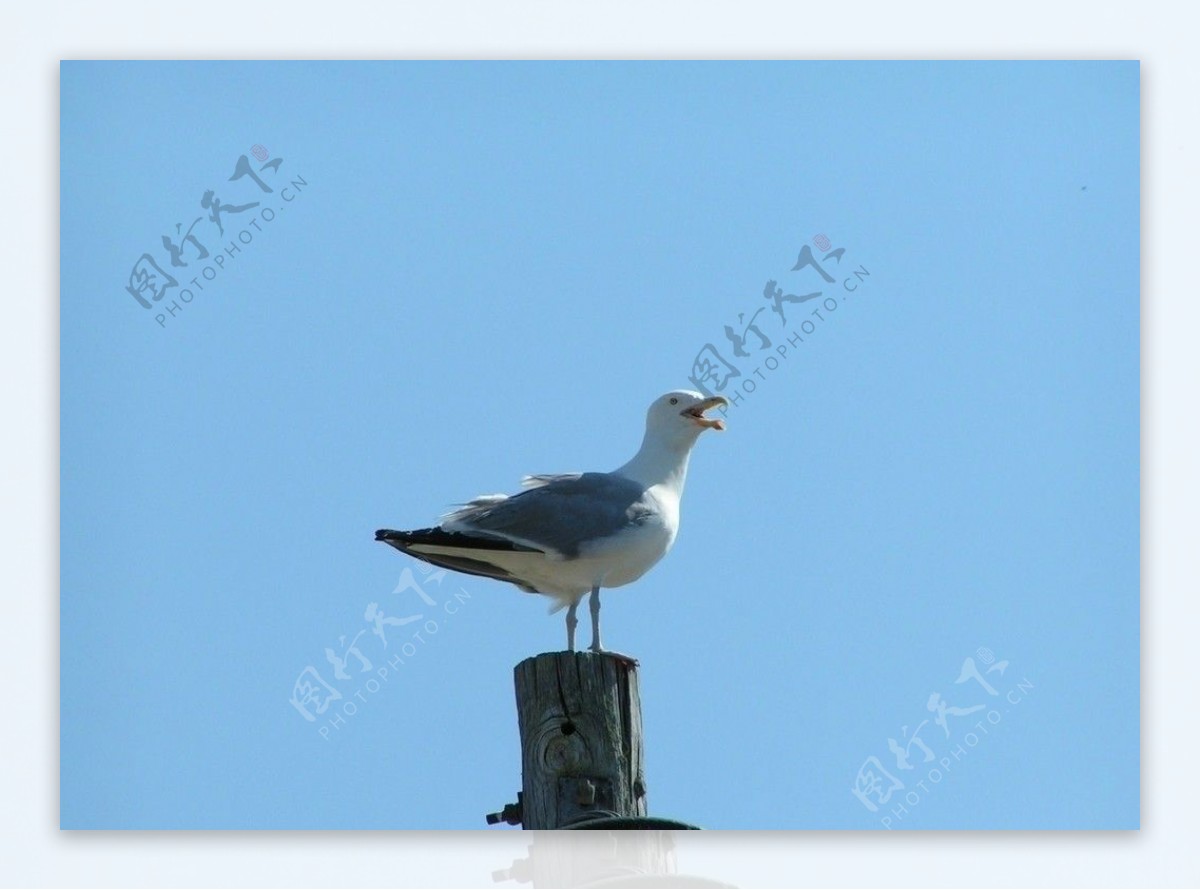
[{"x": 570, "y": 534}]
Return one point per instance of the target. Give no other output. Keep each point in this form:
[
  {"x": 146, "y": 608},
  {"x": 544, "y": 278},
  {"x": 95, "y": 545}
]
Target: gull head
[{"x": 681, "y": 414}]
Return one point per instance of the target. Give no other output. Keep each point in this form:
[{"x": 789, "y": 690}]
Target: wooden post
[{"x": 581, "y": 738}]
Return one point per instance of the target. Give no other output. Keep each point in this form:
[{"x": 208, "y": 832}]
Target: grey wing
[{"x": 559, "y": 515}]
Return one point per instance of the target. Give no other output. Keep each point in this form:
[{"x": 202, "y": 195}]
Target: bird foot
[{"x": 619, "y": 656}]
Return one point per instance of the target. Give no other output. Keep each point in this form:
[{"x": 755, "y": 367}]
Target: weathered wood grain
[{"x": 581, "y": 738}]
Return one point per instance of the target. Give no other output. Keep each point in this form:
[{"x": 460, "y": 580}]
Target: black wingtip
[{"x": 439, "y": 537}]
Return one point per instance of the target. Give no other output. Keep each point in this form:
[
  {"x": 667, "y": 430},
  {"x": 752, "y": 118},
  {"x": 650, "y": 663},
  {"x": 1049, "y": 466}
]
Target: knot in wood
[{"x": 560, "y": 753}]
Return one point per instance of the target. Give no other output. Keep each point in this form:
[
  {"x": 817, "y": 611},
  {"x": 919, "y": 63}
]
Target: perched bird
[{"x": 567, "y": 535}]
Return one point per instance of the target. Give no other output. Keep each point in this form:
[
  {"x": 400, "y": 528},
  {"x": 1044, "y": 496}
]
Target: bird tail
[{"x": 469, "y": 554}]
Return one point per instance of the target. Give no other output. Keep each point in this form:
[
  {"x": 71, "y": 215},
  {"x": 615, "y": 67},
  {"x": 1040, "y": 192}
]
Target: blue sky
[{"x": 477, "y": 271}]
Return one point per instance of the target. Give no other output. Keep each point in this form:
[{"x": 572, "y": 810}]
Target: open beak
[{"x": 696, "y": 413}]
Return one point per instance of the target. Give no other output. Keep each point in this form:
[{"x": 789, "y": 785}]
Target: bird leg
[
  {"x": 594, "y": 606},
  {"x": 571, "y": 622}
]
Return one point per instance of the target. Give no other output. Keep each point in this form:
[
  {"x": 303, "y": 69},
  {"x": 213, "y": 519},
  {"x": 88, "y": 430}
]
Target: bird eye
[{"x": 674, "y": 401}]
